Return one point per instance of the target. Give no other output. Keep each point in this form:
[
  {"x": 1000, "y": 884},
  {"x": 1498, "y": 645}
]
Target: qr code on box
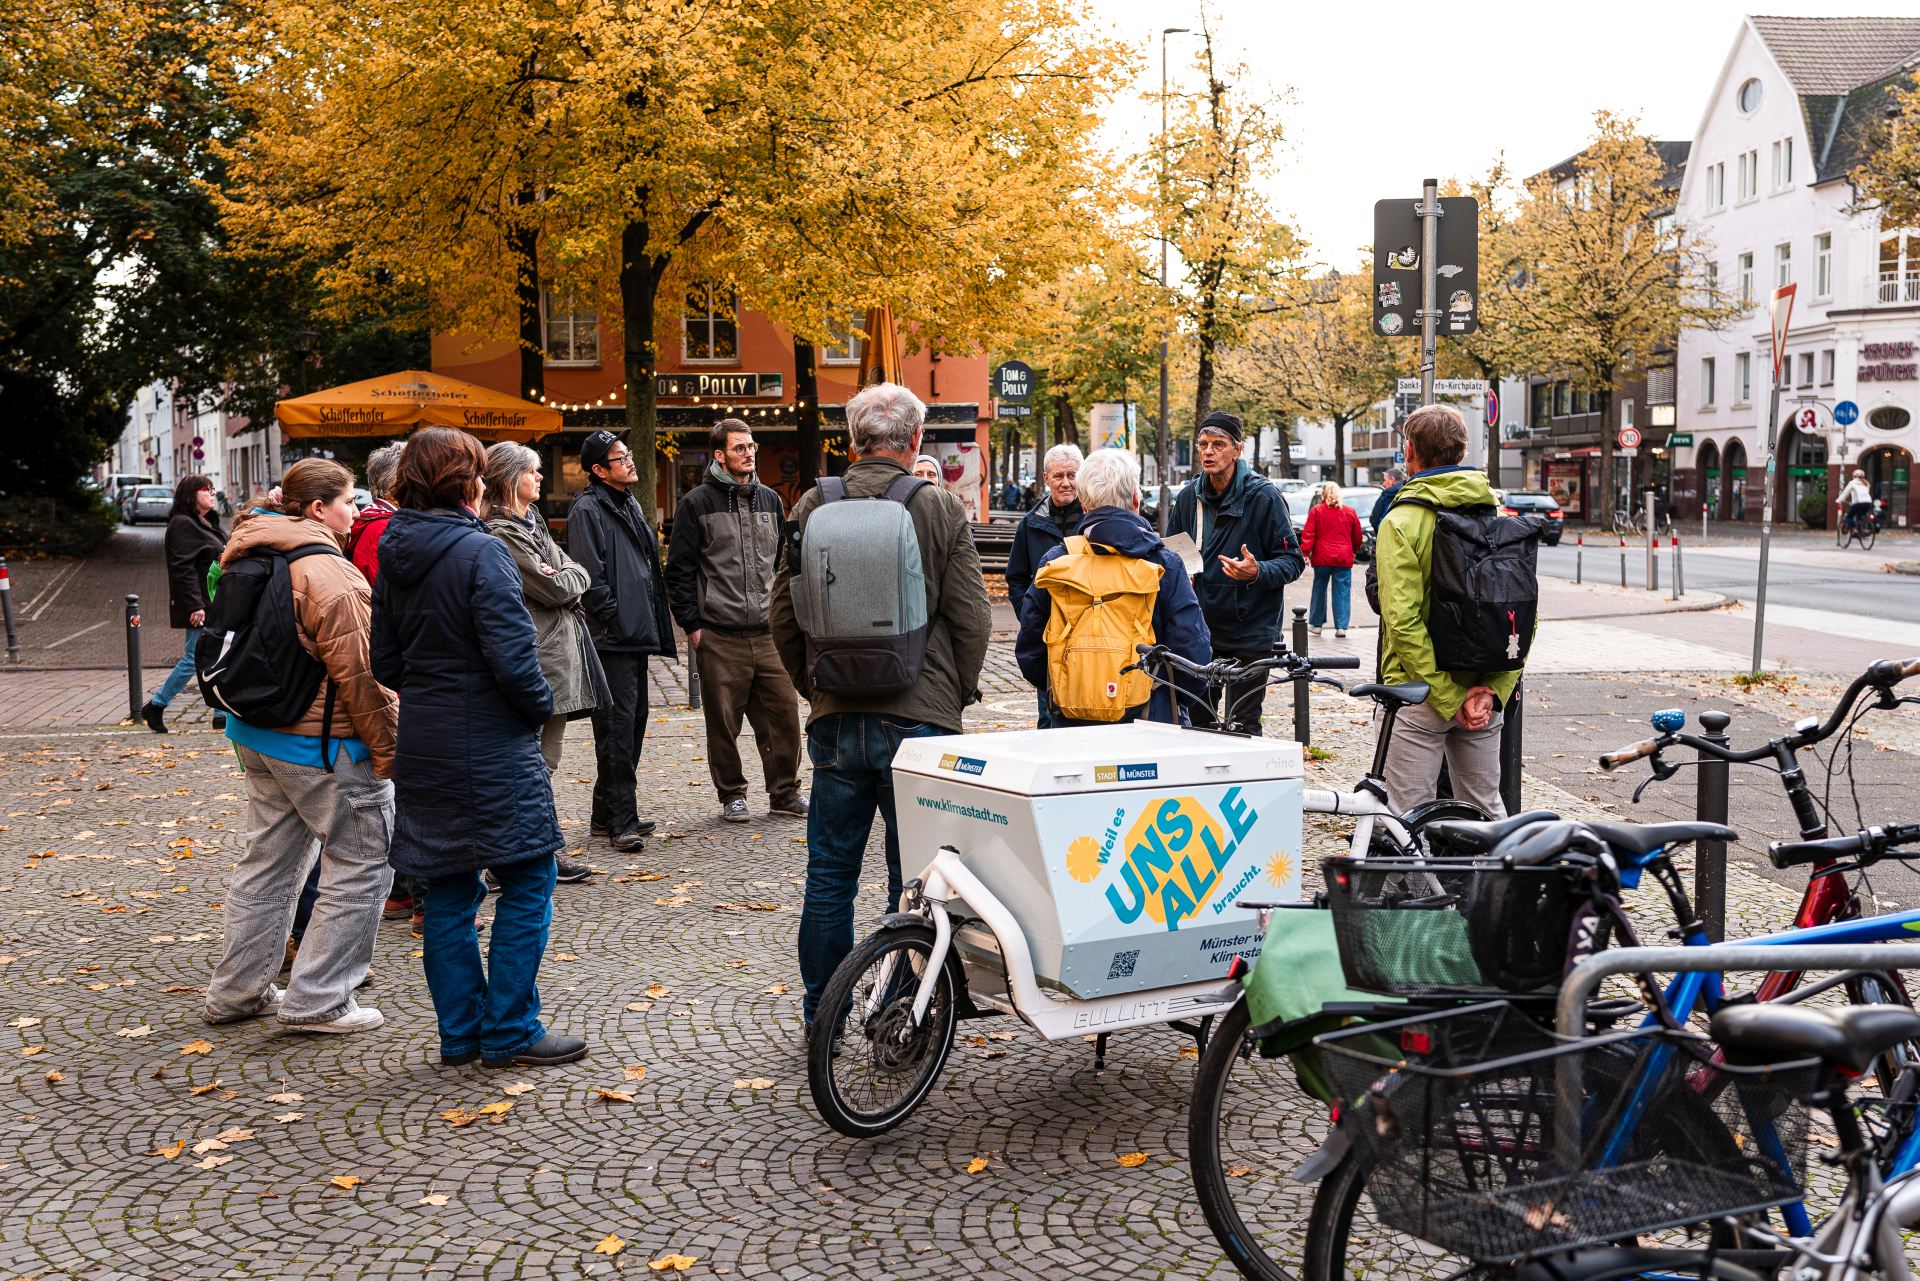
[{"x": 1122, "y": 967}]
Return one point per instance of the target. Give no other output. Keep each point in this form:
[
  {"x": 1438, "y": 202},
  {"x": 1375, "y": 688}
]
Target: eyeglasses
[{"x": 611, "y": 459}]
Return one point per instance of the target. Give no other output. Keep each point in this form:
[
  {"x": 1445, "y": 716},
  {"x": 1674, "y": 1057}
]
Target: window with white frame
[
  {"x": 1746, "y": 280},
  {"x": 1749, "y": 175},
  {"x": 709, "y": 330},
  {"x": 1713, "y": 280},
  {"x": 1782, "y": 265},
  {"x": 1900, "y": 267},
  {"x": 1806, "y": 369},
  {"x": 570, "y": 328},
  {"x": 1823, "y": 265},
  {"x": 1783, "y": 164},
  {"x": 1626, "y": 413},
  {"x": 1706, "y": 382},
  {"x": 1717, "y": 185},
  {"x": 1826, "y": 368},
  {"x": 845, "y": 347},
  {"x": 1742, "y": 378}
]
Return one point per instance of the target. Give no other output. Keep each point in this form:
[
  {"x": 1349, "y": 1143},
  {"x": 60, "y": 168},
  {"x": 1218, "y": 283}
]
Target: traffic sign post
[
  {"x": 1846, "y": 413},
  {"x": 1780, "y": 316},
  {"x": 1629, "y": 438}
]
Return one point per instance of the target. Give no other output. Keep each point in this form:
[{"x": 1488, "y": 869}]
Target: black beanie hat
[{"x": 1225, "y": 423}]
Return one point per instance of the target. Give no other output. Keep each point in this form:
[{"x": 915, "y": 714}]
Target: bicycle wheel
[
  {"x": 1345, "y": 1239},
  {"x": 1840, "y": 532},
  {"x": 868, "y": 1066},
  {"x": 1896, "y": 1073},
  {"x": 1870, "y": 532},
  {"x": 1249, "y": 1125}
]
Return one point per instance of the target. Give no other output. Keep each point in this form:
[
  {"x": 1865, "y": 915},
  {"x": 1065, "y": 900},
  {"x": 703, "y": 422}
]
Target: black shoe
[
  {"x": 459, "y": 1060},
  {"x": 152, "y": 714},
  {"x": 550, "y": 1050},
  {"x": 571, "y": 870},
  {"x": 645, "y": 827},
  {"x": 220, "y": 721},
  {"x": 630, "y": 842}
]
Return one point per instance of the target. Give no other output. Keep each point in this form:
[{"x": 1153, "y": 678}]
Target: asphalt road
[{"x": 1797, "y": 575}]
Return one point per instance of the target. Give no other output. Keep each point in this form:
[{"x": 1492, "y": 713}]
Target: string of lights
[{"x": 616, "y": 398}]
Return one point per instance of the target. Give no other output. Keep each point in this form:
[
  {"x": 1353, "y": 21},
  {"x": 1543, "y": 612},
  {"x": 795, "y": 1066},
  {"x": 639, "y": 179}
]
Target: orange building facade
[{"x": 713, "y": 365}]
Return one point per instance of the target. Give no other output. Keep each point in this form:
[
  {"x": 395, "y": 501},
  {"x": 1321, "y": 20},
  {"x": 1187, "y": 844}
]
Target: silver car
[{"x": 146, "y": 502}]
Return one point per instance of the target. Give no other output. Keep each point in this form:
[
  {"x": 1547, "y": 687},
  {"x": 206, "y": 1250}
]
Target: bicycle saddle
[
  {"x": 1851, "y": 1036},
  {"x": 1645, "y": 838},
  {"x": 1479, "y": 837},
  {"x": 1406, "y": 694}
]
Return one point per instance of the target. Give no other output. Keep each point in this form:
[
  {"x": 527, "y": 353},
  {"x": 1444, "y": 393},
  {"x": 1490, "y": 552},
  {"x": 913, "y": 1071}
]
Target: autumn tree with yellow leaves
[
  {"x": 813, "y": 156},
  {"x": 1889, "y": 175}
]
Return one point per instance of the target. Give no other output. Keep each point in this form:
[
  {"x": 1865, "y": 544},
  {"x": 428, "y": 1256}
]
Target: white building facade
[{"x": 1766, "y": 186}]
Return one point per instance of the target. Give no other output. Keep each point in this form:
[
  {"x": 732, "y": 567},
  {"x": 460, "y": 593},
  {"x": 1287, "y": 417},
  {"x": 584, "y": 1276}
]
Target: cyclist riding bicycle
[{"x": 1857, "y": 498}]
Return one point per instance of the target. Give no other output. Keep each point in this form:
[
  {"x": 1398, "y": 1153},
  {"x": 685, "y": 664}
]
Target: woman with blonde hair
[{"x": 1330, "y": 539}]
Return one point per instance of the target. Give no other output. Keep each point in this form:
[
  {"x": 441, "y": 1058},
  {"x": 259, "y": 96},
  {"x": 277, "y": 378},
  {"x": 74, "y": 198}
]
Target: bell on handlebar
[{"x": 1669, "y": 720}]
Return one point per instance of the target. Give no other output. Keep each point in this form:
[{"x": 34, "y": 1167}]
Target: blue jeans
[
  {"x": 852, "y": 757},
  {"x": 183, "y": 671},
  {"x": 494, "y": 1009},
  {"x": 1341, "y": 582}
]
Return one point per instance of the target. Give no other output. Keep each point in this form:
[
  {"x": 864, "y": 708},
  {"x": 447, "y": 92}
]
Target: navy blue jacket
[
  {"x": 1036, "y": 535},
  {"x": 1177, "y": 623},
  {"x": 1244, "y": 618},
  {"x": 452, "y": 637}
]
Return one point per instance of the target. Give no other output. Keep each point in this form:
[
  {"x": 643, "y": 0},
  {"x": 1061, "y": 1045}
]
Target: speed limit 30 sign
[{"x": 1629, "y": 438}]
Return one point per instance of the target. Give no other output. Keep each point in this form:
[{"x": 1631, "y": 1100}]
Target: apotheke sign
[{"x": 1888, "y": 362}]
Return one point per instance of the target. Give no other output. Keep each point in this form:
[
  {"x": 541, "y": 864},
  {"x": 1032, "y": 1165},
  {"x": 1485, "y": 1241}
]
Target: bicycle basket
[
  {"x": 1454, "y": 928},
  {"x": 1491, "y": 1138}
]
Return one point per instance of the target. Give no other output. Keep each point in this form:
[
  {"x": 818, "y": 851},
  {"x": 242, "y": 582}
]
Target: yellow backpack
[{"x": 1102, "y": 609}]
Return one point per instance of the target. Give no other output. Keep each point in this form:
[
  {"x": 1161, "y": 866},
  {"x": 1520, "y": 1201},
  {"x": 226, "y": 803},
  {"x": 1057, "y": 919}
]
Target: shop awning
[{"x": 395, "y": 404}]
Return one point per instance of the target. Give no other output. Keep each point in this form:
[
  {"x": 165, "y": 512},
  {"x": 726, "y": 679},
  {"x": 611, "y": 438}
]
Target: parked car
[
  {"x": 1525, "y": 502},
  {"x": 115, "y": 487},
  {"x": 1359, "y": 498},
  {"x": 146, "y": 502}
]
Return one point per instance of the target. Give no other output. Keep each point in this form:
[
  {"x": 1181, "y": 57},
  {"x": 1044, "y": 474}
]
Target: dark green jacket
[{"x": 958, "y": 615}]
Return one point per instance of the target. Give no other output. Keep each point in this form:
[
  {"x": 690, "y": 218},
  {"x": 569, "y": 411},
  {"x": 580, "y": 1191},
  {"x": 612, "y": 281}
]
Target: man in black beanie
[{"x": 1249, "y": 554}]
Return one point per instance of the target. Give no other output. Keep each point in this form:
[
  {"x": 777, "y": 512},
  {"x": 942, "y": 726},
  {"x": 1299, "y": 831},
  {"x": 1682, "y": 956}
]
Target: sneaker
[
  {"x": 1340, "y": 634},
  {"x": 550, "y": 1050},
  {"x": 645, "y": 827},
  {"x": 794, "y": 806},
  {"x": 269, "y": 1004},
  {"x": 293, "y": 950},
  {"x": 571, "y": 870},
  {"x": 419, "y": 923},
  {"x": 154, "y": 715},
  {"x": 358, "y": 1018},
  {"x": 629, "y": 842},
  {"x": 735, "y": 811},
  {"x": 459, "y": 1060},
  {"x": 398, "y": 905},
  {"x": 492, "y": 881},
  {"x": 1317, "y": 630}
]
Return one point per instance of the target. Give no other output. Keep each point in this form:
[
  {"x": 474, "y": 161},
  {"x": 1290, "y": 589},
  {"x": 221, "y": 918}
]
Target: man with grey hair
[
  {"x": 851, "y": 738},
  {"x": 1108, "y": 486},
  {"x": 1043, "y": 529},
  {"x": 1389, "y": 481},
  {"x": 363, "y": 541}
]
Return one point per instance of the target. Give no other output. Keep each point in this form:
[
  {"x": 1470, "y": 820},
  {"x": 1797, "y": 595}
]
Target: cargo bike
[{"x": 1085, "y": 881}]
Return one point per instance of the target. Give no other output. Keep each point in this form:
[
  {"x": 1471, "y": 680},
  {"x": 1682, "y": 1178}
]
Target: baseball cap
[{"x": 595, "y": 448}]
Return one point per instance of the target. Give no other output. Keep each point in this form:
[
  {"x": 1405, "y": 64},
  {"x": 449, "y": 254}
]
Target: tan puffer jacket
[{"x": 333, "y": 607}]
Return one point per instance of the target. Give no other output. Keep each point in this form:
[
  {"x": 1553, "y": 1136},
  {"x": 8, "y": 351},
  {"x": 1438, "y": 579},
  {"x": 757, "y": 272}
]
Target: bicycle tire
[
  {"x": 1897, "y": 1071},
  {"x": 1867, "y": 535},
  {"x": 838, "y": 1034},
  {"x": 1840, "y": 533}
]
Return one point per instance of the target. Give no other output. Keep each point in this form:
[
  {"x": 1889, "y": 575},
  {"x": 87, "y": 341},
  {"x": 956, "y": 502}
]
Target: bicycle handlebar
[
  {"x": 1626, "y": 756},
  {"x": 1868, "y": 846}
]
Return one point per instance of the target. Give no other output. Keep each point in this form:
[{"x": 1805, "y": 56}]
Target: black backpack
[
  {"x": 1485, "y": 587},
  {"x": 250, "y": 660}
]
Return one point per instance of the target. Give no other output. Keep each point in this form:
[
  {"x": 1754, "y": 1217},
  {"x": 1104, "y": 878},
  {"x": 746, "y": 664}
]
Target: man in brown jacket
[
  {"x": 317, "y": 787},
  {"x": 851, "y": 740}
]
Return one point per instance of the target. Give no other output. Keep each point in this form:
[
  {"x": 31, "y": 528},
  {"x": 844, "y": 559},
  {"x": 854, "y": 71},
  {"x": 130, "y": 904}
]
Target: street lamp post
[{"x": 1164, "y": 456}]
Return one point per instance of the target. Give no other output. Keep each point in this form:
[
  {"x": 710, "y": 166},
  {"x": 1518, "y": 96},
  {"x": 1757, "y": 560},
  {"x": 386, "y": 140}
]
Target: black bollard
[
  {"x": 1302, "y": 721},
  {"x": 1710, "y": 806},
  {"x": 1512, "y": 731},
  {"x": 135, "y": 695}
]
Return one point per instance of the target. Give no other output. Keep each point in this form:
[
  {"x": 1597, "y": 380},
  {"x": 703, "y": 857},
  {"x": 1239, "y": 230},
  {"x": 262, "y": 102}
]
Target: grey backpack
[{"x": 859, "y": 593}]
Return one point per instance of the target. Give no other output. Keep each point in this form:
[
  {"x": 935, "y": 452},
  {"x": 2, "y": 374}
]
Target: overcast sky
[{"x": 1519, "y": 78}]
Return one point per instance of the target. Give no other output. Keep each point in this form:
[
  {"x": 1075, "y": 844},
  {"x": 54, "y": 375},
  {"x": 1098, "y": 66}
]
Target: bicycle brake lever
[
  {"x": 1662, "y": 771},
  {"x": 1328, "y": 680}
]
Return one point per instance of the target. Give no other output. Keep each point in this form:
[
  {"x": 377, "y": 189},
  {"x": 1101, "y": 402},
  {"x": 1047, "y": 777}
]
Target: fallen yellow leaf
[
  {"x": 976, "y": 1165},
  {"x": 673, "y": 1263},
  {"x": 433, "y": 1198},
  {"x": 614, "y": 1096},
  {"x": 197, "y": 1047},
  {"x": 753, "y": 1083},
  {"x": 778, "y": 989},
  {"x": 657, "y": 990},
  {"x": 610, "y": 1244},
  {"x": 170, "y": 1150},
  {"x": 211, "y": 1162},
  {"x": 639, "y": 1007},
  {"x": 32, "y": 1049},
  {"x": 208, "y": 1088},
  {"x": 286, "y": 1118},
  {"x": 347, "y": 1181},
  {"x": 286, "y": 1097},
  {"x": 635, "y": 1072},
  {"x": 517, "y": 1089},
  {"x": 1132, "y": 1159},
  {"x": 55, "y": 1077},
  {"x": 494, "y": 1109},
  {"x": 234, "y": 1134}
]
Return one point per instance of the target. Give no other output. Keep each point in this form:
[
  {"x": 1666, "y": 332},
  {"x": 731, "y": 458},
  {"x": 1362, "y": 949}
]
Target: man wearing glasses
[
  {"x": 720, "y": 568},
  {"x": 627, "y": 614}
]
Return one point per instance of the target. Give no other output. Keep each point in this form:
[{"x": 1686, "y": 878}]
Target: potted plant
[{"x": 1813, "y": 506}]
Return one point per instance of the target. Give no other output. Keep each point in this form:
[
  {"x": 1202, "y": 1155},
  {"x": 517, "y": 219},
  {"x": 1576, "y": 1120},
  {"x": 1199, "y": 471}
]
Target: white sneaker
[
  {"x": 269, "y": 1004},
  {"x": 360, "y": 1018},
  {"x": 1316, "y": 630},
  {"x": 1338, "y": 633}
]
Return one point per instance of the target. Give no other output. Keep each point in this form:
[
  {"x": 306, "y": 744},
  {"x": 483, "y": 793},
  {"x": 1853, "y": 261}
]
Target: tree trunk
[
  {"x": 639, "y": 288},
  {"x": 1340, "y": 422},
  {"x": 1257, "y": 432},
  {"x": 806, "y": 413},
  {"x": 1603, "y": 510},
  {"x": 1064, "y": 430},
  {"x": 524, "y": 242},
  {"x": 1286, "y": 452}
]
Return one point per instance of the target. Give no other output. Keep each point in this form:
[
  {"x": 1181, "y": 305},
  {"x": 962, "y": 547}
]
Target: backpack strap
[
  {"x": 903, "y": 488},
  {"x": 326, "y": 727},
  {"x": 308, "y": 549},
  {"x": 832, "y": 489},
  {"x": 1077, "y": 544}
]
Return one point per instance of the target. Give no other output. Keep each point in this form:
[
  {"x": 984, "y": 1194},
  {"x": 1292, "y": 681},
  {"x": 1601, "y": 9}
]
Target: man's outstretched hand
[{"x": 1243, "y": 568}]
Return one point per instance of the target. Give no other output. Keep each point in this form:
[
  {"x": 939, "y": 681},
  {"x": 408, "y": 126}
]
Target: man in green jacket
[
  {"x": 1460, "y": 721},
  {"x": 851, "y": 739}
]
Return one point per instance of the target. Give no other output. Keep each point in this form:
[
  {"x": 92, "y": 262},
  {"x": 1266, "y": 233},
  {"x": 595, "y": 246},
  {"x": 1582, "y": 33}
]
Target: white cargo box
[{"x": 1120, "y": 849}]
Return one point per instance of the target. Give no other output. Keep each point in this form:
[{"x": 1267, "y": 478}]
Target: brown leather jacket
[{"x": 334, "y": 609}]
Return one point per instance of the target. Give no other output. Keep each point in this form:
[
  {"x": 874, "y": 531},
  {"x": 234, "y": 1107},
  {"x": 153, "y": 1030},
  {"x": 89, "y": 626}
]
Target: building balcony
[{"x": 1900, "y": 286}]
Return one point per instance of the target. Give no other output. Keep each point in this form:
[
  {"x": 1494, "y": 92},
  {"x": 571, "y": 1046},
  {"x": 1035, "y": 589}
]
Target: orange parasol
[
  {"x": 880, "y": 354},
  {"x": 395, "y": 404}
]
